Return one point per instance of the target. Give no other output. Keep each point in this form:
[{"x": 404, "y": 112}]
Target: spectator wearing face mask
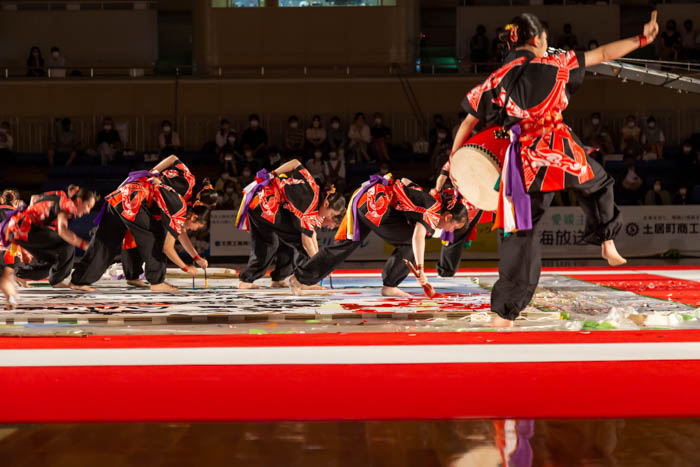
[
  {"x": 334, "y": 171},
  {"x": 682, "y": 196},
  {"x": 231, "y": 197},
  {"x": 168, "y": 140},
  {"x": 657, "y": 196},
  {"x": 315, "y": 166},
  {"x": 7, "y": 143},
  {"x": 254, "y": 137},
  {"x": 597, "y": 136},
  {"x": 108, "y": 142},
  {"x": 226, "y": 176},
  {"x": 228, "y": 154},
  {"x": 293, "y": 138},
  {"x": 35, "y": 63},
  {"x": 630, "y": 135},
  {"x": 337, "y": 136},
  {"x": 65, "y": 144},
  {"x": 250, "y": 161},
  {"x": 316, "y": 135},
  {"x": 653, "y": 139},
  {"x": 221, "y": 137},
  {"x": 438, "y": 124},
  {"x": 57, "y": 63},
  {"x": 359, "y": 137},
  {"x": 631, "y": 186},
  {"x": 381, "y": 138},
  {"x": 247, "y": 175}
]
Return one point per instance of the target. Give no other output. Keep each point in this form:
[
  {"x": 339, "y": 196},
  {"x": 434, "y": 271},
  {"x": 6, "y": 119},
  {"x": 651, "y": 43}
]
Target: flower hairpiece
[{"x": 513, "y": 32}]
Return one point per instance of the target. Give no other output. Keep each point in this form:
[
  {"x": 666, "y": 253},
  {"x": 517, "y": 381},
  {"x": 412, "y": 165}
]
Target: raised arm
[
  {"x": 165, "y": 164},
  {"x": 618, "y": 49},
  {"x": 465, "y": 129},
  {"x": 287, "y": 166}
]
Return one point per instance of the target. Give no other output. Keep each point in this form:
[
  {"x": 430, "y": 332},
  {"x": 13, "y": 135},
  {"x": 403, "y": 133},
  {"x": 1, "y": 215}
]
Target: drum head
[{"x": 476, "y": 174}]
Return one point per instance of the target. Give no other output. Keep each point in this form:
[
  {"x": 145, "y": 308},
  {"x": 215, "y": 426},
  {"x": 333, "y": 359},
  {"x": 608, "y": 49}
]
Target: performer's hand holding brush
[{"x": 419, "y": 272}]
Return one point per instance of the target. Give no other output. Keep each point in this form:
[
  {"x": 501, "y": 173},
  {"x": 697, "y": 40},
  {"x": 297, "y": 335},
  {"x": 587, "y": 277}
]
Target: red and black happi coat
[
  {"x": 179, "y": 177},
  {"x": 296, "y": 192},
  {"x": 161, "y": 202},
  {"x": 43, "y": 212},
  {"x": 553, "y": 157}
]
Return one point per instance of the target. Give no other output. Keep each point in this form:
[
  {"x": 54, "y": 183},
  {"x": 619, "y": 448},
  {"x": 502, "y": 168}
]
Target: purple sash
[
  {"x": 373, "y": 180},
  {"x": 133, "y": 176},
  {"x": 515, "y": 186},
  {"x": 263, "y": 179},
  {"x": 21, "y": 208}
]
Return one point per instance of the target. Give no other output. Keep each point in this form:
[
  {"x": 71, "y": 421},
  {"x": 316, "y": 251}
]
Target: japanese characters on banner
[{"x": 646, "y": 231}]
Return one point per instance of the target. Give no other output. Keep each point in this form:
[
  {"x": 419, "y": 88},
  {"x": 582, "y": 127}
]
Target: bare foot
[
  {"x": 394, "y": 292},
  {"x": 163, "y": 287},
  {"x": 137, "y": 283},
  {"x": 61, "y": 285},
  {"x": 248, "y": 285},
  {"x": 22, "y": 282},
  {"x": 609, "y": 252},
  {"x": 7, "y": 287},
  {"x": 499, "y": 322},
  {"x": 171, "y": 285},
  {"x": 279, "y": 284},
  {"x": 297, "y": 287},
  {"x": 82, "y": 288},
  {"x": 315, "y": 287}
]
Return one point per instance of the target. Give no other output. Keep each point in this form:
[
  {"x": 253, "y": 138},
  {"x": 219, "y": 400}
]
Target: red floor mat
[{"x": 651, "y": 285}]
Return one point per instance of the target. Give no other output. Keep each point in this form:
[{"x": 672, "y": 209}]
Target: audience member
[
  {"x": 247, "y": 175},
  {"x": 254, "y": 137},
  {"x": 568, "y": 40},
  {"x": 35, "y": 63},
  {"x": 689, "y": 165},
  {"x": 670, "y": 42},
  {"x": 689, "y": 41},
  {"x": 632, "y": 186},
  {"x": 273, "y": 159},
  {"x": 316, "y": 135},
  {"x": 681, "y": 196},
  {"x": 630, "y": 135},
  {"x": 168, "y": 140},
  {"x": 499, "y": 49},
  {"x": 315, "y": 167},
  {"x": 57, "y": 63},
  {"x": 653, "y": 140},
  {"x": 231, "y": 198},
  {"x": 479, "y": 46},
  {"x": 226, "y": 176},
  {"x": 657, "y": 196},
  {"x": 359, "y": 136},
  {"x": 65, "y": 143},
  {"x": 460, "y": 118},
  {"x": 108, "y": 142},
  {"x": 228, "y": 154},
  {"x": 253, "y": 163},
  {"x": 440, "y": 152},
  {"x": 438, "y": 124},
  {"x": 381, "y": 138},
  {"x": 222, "y": 135},
  {"x": 597, "y": 136},
  {"x": 334, "y": 171},
  {"x": 7, "y": 143},
  {"x": 593, "y": 44},
  {"x": 337, "y": 136},
  {"x": 293, "y": 138}
]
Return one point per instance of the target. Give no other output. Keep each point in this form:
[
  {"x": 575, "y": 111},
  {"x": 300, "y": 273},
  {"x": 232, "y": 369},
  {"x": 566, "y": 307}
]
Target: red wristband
[
  {"x": 185, "y": 269},
  {"x": 83, "y": 245},
  {"x": 642, "y": 40},
  {"x": 196, "y": 258}
]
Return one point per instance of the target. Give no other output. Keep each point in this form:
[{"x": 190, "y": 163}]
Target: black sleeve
[{"x": 577, "y": 72}]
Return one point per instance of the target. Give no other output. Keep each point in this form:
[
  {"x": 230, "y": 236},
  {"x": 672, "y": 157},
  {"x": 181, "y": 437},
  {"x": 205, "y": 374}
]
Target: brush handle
[{"x": 427, "y": 288}]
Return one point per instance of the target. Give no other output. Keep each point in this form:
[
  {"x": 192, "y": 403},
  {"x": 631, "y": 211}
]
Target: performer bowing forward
[
  {"x": 527, "y": 95},
  {"x": 402, "y": 214},
  {"x": 283, "y": 209}
]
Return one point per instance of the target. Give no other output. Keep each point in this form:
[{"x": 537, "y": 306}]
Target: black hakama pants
[{"x": 49, "y": 251}]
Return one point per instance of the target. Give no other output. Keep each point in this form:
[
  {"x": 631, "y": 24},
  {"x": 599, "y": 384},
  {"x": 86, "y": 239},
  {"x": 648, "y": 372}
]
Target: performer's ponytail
[
  {"x": 454, "y": 206},
  {"x": 336, "y": 202},
  {"x": 521, "y": 29},
  {"x": 207, "y": 196}
]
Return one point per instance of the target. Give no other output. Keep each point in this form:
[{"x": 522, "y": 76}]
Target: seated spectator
[
  {"x": 315, "y": 167},
  {"x": 689, "y": 165},
  {"x": 232, "y": 196},
  {"x": 316, "y": 135},
  {"x": 682, "y": 197},
  {"x": 381, "y": 138},
  {"x": 632, "y": 186},
  {"x": 440, "y": 151},
  {"x": 108, "y": 142},
  {"x": 247, "y": 176},
  {"x": 653, "y": 140},
  {"x": 689, "y": 41},
  {"x": 460, "y": 117},
  {"x": 57, "y": 63},
  {"x": 168, "y": 140},
  {"x": 226, "y": 176},
  {"x": 250, "y": 161},
  {"x": 359, "y": 136},
  {"x": 273, "y": 160},
  {"x": 593, "y": 44},
  {"x": 568, "y": 40},
  {"x": 499, "y": 49},
  {"x": 438, "y": 124},
  {"x": 657, "y": 196},
  {"x": 670, "y": 42},
  {"x": 254, "y": 137},
  {"x": 334, "y": 172},
  {"x": 228, "y": 155},
  {"x": 293, "y": 138},
  {"x": 597, "y": 136},
  {"x": 337, "y": 136},
  {"x": 7, "y": 143},
  {"x": 65, "y": 143},
  {"x": 222, "y": 135},
  {"x": 35, "y": 63},
  {"x": 479, "y": 46},
  {"x": 630, "y": 136}
]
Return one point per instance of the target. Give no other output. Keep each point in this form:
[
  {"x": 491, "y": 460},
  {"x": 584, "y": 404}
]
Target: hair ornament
[{"x": 513, "y": 29}]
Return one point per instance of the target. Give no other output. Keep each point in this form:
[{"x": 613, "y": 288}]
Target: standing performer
[
  {"x": 154, "y": 214},
  {"x": 42, "y": 230},
  {"x": 283, "y": 210},
  {"x": 528, "y": 95},
  {"x": 402, "y": 214}
]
